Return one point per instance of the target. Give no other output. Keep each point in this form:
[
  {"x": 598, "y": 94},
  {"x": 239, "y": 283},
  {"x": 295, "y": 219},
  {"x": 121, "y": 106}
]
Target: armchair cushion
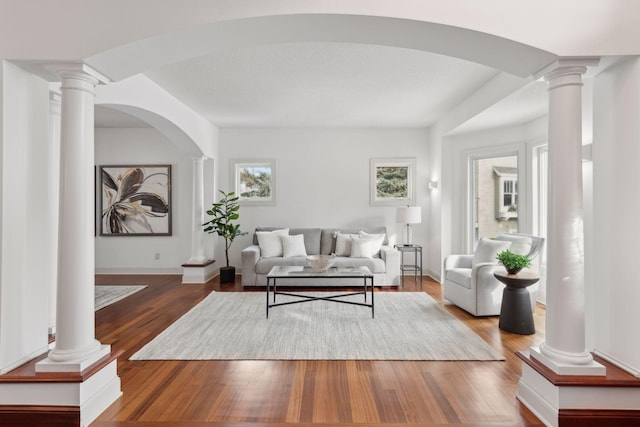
[
  {"x": 487, "y": 250},
  {"x": 461, "y": 276}
]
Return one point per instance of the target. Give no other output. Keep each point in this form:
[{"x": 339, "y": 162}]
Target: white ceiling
[
  {"x": 109, "y": 118},
  {"x": 522, "y": 106},
  {"x": 327, "y": 85}
]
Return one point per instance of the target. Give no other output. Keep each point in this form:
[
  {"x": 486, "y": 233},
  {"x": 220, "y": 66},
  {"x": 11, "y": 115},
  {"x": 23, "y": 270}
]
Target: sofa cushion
[
  {"x": 311, "y": 237},
  {"x": 270, "y": 242},
  {"x": 460, "y": 276},
  {"x": 378, "y": 239},
  {"x": 487, "y": 250},
  {"x": 343, "y": 244},
  {"x": 293, "y": 246},
  {"x": 362, "y": 248},
  {"x": 328, "y": 237}
]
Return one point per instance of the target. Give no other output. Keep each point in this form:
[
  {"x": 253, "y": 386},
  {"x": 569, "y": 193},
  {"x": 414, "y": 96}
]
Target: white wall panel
[
  {"x": 136, "y": 254},
  {"x": 615, "y": 294},
  {"x": 323, "y": 177}
]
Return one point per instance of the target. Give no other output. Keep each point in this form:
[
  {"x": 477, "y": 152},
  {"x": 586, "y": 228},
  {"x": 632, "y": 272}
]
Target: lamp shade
[{"x": 409, "y": 214}]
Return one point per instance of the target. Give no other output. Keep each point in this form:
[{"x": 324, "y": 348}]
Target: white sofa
[
  {"x": 468, "y": 281},
  {"x": 385, "y": 266}
]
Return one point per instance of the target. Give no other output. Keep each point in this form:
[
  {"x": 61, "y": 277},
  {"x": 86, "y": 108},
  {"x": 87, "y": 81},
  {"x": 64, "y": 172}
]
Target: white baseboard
[
  {"x": 618, "y": 363},
  {"x": 432, "y": 275},
  {"x": 21, "y": 361}
]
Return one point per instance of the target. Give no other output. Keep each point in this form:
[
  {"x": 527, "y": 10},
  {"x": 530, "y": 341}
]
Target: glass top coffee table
[{"x": 287, "y": 272}]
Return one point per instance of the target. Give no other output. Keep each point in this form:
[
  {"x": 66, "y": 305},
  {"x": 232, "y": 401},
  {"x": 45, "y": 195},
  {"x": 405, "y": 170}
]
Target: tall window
[{"x": 495, "y": 196}]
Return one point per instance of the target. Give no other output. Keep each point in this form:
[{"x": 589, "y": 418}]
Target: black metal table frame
[{"x": 307, "y": 298}]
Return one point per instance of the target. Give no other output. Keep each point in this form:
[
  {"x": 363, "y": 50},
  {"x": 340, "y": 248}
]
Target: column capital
[
  {"x": 576, "y": 66},
  {"x": 77, "y": 70}
]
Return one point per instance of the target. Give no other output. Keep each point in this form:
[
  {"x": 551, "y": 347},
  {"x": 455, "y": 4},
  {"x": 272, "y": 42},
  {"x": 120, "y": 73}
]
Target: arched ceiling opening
[
  {"x": 323, "y": 70},
  {"x": 482, "y": 48}
]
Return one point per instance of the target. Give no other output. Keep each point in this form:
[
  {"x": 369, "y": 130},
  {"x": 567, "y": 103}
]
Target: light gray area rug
[
  {"x": 107, "y": 295},
  {"x": 232, "y": 326}
]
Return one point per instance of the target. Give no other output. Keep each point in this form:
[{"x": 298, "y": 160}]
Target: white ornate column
[
  {"x": 564, "y": 348},
  {"x": 75, "y": 345},
  {"x": 197, "y": 235},
  {"x": 54, "y": 195},
  {"x": 198, "y": 269}
]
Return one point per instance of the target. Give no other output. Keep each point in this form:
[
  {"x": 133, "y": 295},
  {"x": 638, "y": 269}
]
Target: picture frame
[
  {"x": 254, "y": 181},
  {"x": 392, "y": 181},
  {"x": 135, "y": 200}
]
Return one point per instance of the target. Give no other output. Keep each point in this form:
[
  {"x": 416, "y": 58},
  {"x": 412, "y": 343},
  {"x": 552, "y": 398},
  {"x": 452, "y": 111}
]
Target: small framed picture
[
  {"x": 392, "y": 181},
  {"x": 254, "y": 181}
]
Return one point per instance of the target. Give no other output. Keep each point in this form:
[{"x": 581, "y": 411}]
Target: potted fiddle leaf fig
[
  {"x": 224, "y": 212},
  {"x": 513, "y": 263}
]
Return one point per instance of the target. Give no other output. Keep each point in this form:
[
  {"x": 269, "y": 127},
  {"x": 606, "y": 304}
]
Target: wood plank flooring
[{"x": 301, "y": 393}]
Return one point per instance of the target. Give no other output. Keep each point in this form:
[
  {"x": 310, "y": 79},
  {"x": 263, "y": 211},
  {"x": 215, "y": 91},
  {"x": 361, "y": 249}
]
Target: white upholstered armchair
[{"x": 468, "y": 281}]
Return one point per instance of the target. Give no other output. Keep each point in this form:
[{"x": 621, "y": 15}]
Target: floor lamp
[{"x": 408, "y": 215}]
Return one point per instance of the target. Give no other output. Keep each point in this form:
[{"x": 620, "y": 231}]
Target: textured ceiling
[{"x": 322, "y": 85}]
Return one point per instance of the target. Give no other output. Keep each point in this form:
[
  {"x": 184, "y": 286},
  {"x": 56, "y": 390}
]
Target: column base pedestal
[
  {"x": 71, "y": 399},
  {"x": 579, "y": 401},
  {"x": 198, "y": 273},
  {"x": 593, "y": 368},
  {"x": 48, "y": 365}
]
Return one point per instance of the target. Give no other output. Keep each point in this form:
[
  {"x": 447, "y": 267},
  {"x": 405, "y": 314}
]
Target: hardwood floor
[{"x": 301, "y": 393}]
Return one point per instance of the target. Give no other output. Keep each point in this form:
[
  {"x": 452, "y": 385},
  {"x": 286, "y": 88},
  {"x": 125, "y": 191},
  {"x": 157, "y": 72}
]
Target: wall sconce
[{"x": 433, "y": 185}]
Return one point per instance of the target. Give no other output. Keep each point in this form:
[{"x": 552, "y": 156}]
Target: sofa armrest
[
  {"x": 391, "y": 258},
  {"x": 250, "y": 256}
]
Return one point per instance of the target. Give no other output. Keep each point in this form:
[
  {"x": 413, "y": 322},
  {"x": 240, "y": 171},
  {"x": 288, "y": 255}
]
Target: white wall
[
  {"x": 25, "y": 283},
  {"x": 323, "y": 177},
  {"x": 616, "y": 200},
  {"x": 136, "y": 254}
]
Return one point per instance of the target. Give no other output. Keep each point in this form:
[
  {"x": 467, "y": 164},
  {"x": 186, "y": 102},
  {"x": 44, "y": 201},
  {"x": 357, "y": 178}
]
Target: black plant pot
[
  {"x": 227, "y": 274},
  {"x": 513, "y": 270}
]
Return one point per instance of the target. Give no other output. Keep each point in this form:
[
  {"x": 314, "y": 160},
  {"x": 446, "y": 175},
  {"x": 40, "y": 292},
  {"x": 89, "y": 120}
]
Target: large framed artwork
[
  {"x": 135, "y": 200},
  {"x": 393, "y": 181},
  {"x": 254, "y": 181}
]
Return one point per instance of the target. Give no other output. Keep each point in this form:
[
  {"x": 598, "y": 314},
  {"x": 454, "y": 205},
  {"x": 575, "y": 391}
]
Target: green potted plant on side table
[
  {"x": 513, "y": 263},
  {"x": 223, "y": 213}
]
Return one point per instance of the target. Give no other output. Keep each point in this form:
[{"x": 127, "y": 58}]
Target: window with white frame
[
  {"x": 506, "y": 192},
  {"x": 494, "y": 184}
]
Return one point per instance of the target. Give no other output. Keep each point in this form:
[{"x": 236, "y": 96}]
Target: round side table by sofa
[{"x": 515, "y": 313}]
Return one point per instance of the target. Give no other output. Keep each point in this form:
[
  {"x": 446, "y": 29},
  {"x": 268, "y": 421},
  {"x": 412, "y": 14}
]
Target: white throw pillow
[
  {"x": 343, "y": 244},
  {"x": 270, "y": 242},
  {"x": 487, "y": 250},
  {"x": 378, "y": 239},
  {"x": 293, "y": 246},
  {"x": 362, "y": 248}
]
